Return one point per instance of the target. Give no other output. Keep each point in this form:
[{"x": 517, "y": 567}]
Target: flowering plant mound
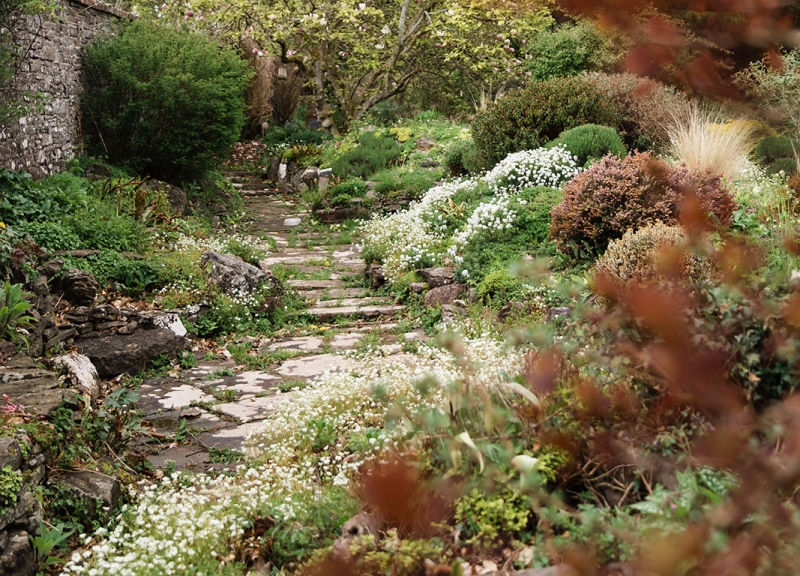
[
  {"x": 540, "y": 167},
  {"x": 311, "y": 445},
  {"x": 615, "y": 195},
  {"x": 423, "y": 235}
]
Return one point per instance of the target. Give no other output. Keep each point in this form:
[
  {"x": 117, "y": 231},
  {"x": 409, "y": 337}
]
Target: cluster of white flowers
[
  {"x": 539, "y": 167},
  {"x": 184, "y": 243},
  {"x": 172, "y": 525},
  {"x": 407, "y": 238},
  {"x": 493, "y": 216}
]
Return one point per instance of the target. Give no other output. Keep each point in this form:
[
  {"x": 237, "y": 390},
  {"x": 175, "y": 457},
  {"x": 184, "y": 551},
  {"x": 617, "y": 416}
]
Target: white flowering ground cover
[
  {"x": 416, "y": 237},
  {"x": 189, "y": 523}
]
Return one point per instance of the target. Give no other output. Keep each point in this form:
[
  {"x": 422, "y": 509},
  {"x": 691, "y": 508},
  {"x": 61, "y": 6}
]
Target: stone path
[{"x": 222, "y": 400}]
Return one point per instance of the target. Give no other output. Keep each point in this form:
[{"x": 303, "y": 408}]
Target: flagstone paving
[{"x": 219, "y": 401}]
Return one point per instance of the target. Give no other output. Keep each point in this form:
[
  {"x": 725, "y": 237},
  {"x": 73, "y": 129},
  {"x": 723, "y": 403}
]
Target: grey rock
[
  {"x": 30, "y": 386},
  {"x": 553, "y": 313},
  {"x": 119, "y": 354},
  {"x": 443, "y": 294},
  {"x": 235, "y": 276},
  {"x": 79, "y": 287},
  {"x": 93, "y": 486},
  {"x": 436, "y": 277},
  {"x": 17, "y": 558},
  {"x": 429, "y": 164},
  {"x": 97, "y": 172},
  {"x": 19, "y": 512},
  {"x": 158, "y": 319},
  {"x": 52, "y": 267},
  {"x": 418, "y": 287},
  {"x": 309, "y": 175},
  {"x": 176, "y": 196},
  {"x": 452, "y": 313},
  {"x": 40, "y": 287},
  {"x": 80, "y": 373},
  {"x": 425, "y": 143},
  {"x": 509, "y": 309},
  {"x": 273, "y": 170},
  {"x": 10, "y": 453},
  {"x": 376, "y": 276}
]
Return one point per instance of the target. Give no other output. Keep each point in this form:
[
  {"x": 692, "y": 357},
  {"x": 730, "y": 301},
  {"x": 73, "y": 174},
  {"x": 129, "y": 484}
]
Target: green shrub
[
  {"x": 460, "y": 158},
  {"x": 776, "y": 153},
  {"x": 528, "y": 235},
  {"x": 110, "y": 267},
  {"x": 51, "y": 235},
  {"x": 351, "y": 188},
  {"x": 163, "y": 101},
  {"x": 22, "y": 199},
  {"x": 499, "y": 287},
  {"x": 411, "y": 185},
  {"x": 569, "y": 49},
  {"x": 641, "y": 256},
  {"x": 530, "y": 117},
  {"x": 100, "y": 228},
  {"x": 614, "y": 195},
  {"x": 292, "y": 134},
  {"x": 486, "y": 520},
  {"x": 590, "y": 142},
  {"x": 371, "y": 154}
]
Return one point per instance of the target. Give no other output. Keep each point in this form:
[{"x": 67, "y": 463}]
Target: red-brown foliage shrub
[{"x": 616, "y": 195}]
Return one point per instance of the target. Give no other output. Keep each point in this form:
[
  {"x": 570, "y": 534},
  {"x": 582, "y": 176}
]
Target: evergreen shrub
[
  {"x": 372, "y": 154},
  {"x": 776, "y": 153},
  {"x": 530, "y": 117},
  {"x": 615, "y": 195},
  {"x": 162, "y": 101},
  {"x": 590, "y": 142}
]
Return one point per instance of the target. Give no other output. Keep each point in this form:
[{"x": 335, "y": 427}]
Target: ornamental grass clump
[
  {"x": 654, "y": 253},
  {"x": 615, "y": 195},
  {"x": 707, "y": 138}
]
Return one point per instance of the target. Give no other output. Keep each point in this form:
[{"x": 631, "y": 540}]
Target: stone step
[
  {"x": 330, "y": 313},
  {"x": 302, "y": 285},
  {"x": 310, "y": 259},
  {"x": 358, "y": 302},
  {"x": 335, "y": 293}
]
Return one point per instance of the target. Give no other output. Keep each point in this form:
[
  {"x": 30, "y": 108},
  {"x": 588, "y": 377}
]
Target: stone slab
[
  {"x": 309, "y": 367},
  {"x": 304, "y": 343},
  {"x": 315, "y": 284},
  {"x": 231, "y": 438},
  {"x": 255, "y": 408},
  {"x": 358, "y": 302},
  {"x": 329, "y": 313},
  {"x": 247, "y": 383},
  {"x": 186, "y": 457},
  {"x": 346, "y": 341},
  {"x": 169, "y": 395}
]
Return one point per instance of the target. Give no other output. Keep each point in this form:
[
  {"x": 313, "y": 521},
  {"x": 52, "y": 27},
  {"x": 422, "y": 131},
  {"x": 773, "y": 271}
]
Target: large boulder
[
  {"x": 436, "y": 277},
  {"x": 443, "y": 295},
  {"x": 234, "y": 276},
  {"x": 79, "y": 287},
  {"x": 101, "y": 493},
  {"x": 17, "y": 558},
  {"x": 119, "y": 354},
  {"x": 178, "y": 200},
  {"x": 33, "y": 387}
]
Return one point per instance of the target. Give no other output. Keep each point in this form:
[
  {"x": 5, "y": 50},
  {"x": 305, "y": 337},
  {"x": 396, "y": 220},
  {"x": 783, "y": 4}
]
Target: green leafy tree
[
  {"x": 361, "y": 53},
  {"x": 163, "y": 101}
]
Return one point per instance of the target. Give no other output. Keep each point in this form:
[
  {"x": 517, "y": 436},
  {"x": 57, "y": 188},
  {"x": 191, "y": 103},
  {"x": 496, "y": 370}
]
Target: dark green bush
[
  {"x": 776, "y": 153},
  {"x": 460, "y": 158},
  {"x": 408, "y": 185},
  {"x": 162, "y": 101},
  {"x": 293, "y": 134},
  {"x": 590, "y": 142},
  {"x": 532, "y": 116},
  {"x": 372, "y": 154}
]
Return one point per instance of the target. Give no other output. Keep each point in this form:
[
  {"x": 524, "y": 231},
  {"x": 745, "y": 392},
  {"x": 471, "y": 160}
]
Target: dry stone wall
[{"x": 45, "y": 139}]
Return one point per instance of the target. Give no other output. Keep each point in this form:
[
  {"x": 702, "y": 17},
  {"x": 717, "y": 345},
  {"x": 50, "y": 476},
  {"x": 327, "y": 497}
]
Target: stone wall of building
[{"x": 45, "y": 139}]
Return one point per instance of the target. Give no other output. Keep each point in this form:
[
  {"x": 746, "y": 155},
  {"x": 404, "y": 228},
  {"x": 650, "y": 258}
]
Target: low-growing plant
[
  {"x": 13, "y": 309},
  {"x": 615, "y": 195},
  {"x": 777, "y": 153},
  {"x": 123, "y": 274},
  {"x": 372, "y": 153},
  {"x": 655, "y": 252},
  {"x": 488, "y": 520},
  {"x": 50, "y": 540},
  {"x": 590, "y": 142},
  {"x": 10, "y": 485},
  {"x": 460, "y": 158},
  {"x": 22, "y": 199}
]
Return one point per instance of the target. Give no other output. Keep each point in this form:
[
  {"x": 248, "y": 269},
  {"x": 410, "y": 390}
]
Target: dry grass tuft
[{"x": 706, "y": 137}]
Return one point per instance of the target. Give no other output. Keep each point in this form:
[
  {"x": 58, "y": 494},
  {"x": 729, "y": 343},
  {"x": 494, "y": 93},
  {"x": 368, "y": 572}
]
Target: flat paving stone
[
  {"x": 169, "y": 395},
  {"x": 168, "y": 422},
  {"x": 294, "y": 260},
  {"x": 255, "y": 408},
  {"x": 186, "y": 457},
  {"x": 305, "y": 343},
  {"x": 231, "y": 438},
  {"x": 416, "y": 336},
  {"x": 308, "y": 367},
  {"x": 345, "y": 341},
  {"x": 336, "y": 293}
]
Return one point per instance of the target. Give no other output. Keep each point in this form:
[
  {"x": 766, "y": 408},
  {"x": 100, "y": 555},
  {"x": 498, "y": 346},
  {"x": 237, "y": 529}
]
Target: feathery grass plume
[{"x": 705, "y": 136}]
